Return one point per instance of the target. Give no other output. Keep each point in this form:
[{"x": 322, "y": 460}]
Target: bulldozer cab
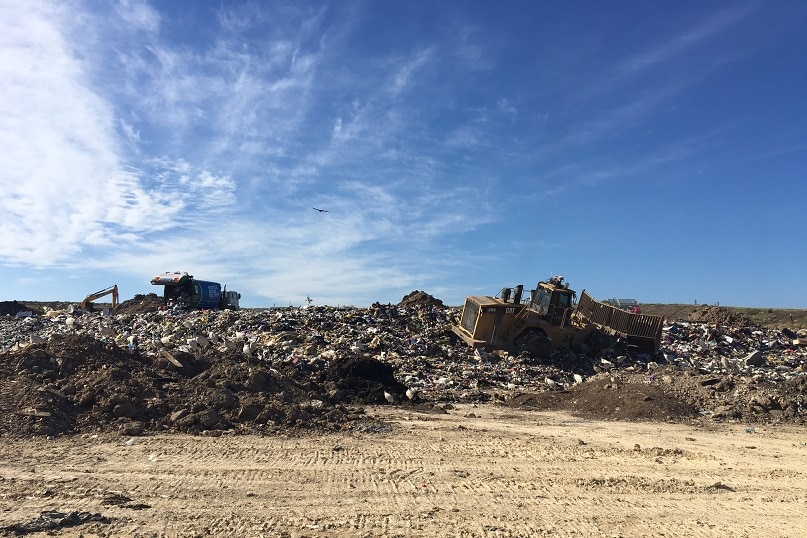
[{"x": 553, "y": 301}]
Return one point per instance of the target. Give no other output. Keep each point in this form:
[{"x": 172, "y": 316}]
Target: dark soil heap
[
  {"x": 140, "y": 304},
  {"x": 605, "y": 397},
  {"x": 364, "y": 380},
  {"x": 75, "y": 383},
  {"x": 667, "y": 394},
  {"x": 11, "y": 308},
  {"x": 420, "y": 298}
]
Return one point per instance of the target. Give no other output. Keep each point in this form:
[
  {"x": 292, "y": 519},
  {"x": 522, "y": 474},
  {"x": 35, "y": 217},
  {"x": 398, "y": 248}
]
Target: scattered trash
[
  {"x": 144, "y": 369},
  {"x": 374, "y": 427},
  {"x": 718, "y": 486},
  {"x": 50, "y": 520}
]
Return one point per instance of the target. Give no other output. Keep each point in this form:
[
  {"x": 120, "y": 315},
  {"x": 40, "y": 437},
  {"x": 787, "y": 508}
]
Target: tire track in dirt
[{"x": 523, "y": 474}]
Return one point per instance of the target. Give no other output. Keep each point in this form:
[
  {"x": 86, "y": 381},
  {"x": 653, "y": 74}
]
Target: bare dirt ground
[
  {"x": 475, "y": 470},
  {"x": 772, "y": 318}
]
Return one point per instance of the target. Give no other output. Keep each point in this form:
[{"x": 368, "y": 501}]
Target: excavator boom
[{"x": 112, "y": 290}]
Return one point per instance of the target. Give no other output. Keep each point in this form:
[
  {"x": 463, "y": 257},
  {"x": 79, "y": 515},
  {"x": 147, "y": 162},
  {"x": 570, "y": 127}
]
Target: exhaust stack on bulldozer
[{"x": 550, "y": 319}]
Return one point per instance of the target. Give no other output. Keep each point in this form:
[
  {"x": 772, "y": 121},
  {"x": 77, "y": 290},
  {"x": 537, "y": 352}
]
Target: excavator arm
[{"x": 113, "y": 290}]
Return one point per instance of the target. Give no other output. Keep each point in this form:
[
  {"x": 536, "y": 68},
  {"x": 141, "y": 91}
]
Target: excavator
[
  {"x": 86, "y": 304},
  {"x": 549, "y": 319}
]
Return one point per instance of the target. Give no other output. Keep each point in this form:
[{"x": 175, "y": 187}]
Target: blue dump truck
[{"x": 184, "y": 291}]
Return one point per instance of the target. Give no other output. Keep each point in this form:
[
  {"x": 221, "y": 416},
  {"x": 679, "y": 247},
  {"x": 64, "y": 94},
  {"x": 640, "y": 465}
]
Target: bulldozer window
[
  {"x": 564, "y": 300},
  {"x": 541, "y": 300}
]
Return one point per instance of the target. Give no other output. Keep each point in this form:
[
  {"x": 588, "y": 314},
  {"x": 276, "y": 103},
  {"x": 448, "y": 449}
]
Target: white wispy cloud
[
  {"x": 405, "y": 75},
  {"x": 687, "y": 39},
  {"x": 133, "y": 153},
  {"x": 63, "y": 179},
  {"x": 140, "y": 137},
  {"x": 472, "y": 50},
  {"x": 138, "y": 14},
  {"x": 466, "y": 137},
  {"x": 504, "y": 105},
  {"x": 130, "y": 134},
  {"x": 656, "y": 164},
  {"x": 629, "y": 94}
]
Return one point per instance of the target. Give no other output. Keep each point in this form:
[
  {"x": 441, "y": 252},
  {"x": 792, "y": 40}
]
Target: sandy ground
[{"x": 476, "y": 471}]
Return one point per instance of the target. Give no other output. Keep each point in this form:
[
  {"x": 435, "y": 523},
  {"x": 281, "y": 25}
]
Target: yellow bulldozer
[{"x": 551, "y": 318}]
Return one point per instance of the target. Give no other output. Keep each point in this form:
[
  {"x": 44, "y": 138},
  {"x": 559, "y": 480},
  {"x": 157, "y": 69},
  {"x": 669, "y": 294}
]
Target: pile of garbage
[{"x": 142, "y": 368}]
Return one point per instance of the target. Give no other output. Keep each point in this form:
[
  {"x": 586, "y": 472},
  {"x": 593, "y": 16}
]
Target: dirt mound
[
  {"x": 11, "y": 308},
  {"x": 31, "y": 387},
  {"x": 420, "y": 298},
  {"x": 365, "y": 380},
  {"x": 605, "y": 398},
  {"x": 140, "y": 304},
  {"x": 670, "y": 394},
  {"x": 716, "y": 315},
  {"x": 76, "y": 383}
]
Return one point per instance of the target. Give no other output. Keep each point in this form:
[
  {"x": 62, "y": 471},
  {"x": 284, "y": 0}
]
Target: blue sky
[{"x": 643, "y": 150}]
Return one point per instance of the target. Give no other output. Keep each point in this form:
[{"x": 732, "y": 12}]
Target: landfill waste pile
[{"x": 144, "y": 369}]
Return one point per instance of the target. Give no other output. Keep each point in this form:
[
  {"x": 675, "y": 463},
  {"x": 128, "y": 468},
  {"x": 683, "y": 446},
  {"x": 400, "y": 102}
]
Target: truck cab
[{"x": 231, "y": 299}]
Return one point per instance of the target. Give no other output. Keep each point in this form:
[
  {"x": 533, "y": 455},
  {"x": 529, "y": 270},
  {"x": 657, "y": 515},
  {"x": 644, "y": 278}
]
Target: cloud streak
[
  {"x": 687, "y": 40},
  {"x": 66, "y": 187},
  {"x": 140, "y": 137},
  {"x": 152, "y": 153}
]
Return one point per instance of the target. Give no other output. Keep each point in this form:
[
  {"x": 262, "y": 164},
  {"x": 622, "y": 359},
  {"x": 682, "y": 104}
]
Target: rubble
[
  {"x": 140, "y": 369},
  {"x": 51, "y": 520}
]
